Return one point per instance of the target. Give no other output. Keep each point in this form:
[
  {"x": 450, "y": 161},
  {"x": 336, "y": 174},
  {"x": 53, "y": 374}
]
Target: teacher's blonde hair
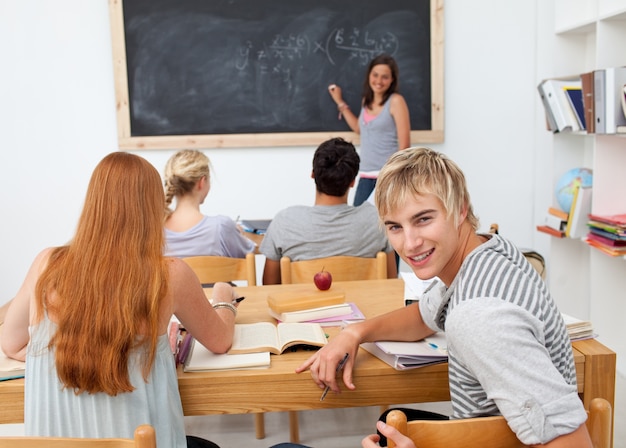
[{"x": 419, "y": 171}]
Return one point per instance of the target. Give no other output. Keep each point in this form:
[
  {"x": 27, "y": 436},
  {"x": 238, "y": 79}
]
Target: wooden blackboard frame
[{"x": 128, "y": 142}]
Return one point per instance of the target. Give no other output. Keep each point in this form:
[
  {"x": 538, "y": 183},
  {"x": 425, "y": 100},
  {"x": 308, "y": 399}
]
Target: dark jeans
[
  {"x": 197, "y": 442},
  {"x": 363, "y": 190},
  {"x": 411, "y": 414}
]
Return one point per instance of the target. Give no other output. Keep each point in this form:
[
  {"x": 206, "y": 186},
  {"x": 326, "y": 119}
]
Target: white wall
[{"x": 57, "y": 116}]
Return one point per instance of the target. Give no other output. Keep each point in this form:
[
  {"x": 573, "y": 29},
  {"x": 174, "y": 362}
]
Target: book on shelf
[
  {"x": 554, "y": 221},
  {"x": 551, "y": 231},
  {"x": 579, "y": 214},
  {"x": 575, "y": 98},
  {"x": 614, "y": 220},
  {"x": 563, "y": 215},
  {"x": 11, "y": 369},
  {"x": 554, "y": 92},
  {"x": 612, "y": 250},
  {"x": 268, "y": 337},
  {"x": 551, "y": 124},
  {"x": 410, "y": 355},
  {"x": 311, "y": 314},
  {"x": 606, "y": 238},
  {"x": 608, "y": 90},
  {"x": 578, "y": 329},
  {"x": 586, "y": 80},
  {"x": 202, "y": 359},
  {"x": 623, "y": 101}
]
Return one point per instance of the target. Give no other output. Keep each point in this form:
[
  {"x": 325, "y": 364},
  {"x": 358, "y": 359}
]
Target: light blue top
[
  {"x": 52, "y": 410},
  {"x": 213, "y": 235},
  {"x": 379, "y": 139}
]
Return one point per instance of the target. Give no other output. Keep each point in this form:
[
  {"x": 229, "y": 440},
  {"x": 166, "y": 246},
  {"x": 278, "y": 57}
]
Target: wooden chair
[
  {"x": 211, "y": 269},
  {"x": 491, "y": 432},
  {"x": 342, "y": 268},
  {"x": 144, "y": 438}
]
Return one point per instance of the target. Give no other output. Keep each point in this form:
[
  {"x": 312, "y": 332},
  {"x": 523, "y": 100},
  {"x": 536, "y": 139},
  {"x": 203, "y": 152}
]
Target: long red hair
[{"x": 109, "y": 281}]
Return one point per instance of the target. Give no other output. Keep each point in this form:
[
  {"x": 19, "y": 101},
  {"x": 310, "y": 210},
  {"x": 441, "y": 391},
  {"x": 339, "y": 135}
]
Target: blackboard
[{"x": 255, "y": 72}]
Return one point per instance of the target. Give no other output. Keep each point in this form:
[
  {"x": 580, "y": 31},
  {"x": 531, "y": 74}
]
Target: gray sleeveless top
[
  {"x": 52, "y": 410},
  {"x": 379, "y": 139}
]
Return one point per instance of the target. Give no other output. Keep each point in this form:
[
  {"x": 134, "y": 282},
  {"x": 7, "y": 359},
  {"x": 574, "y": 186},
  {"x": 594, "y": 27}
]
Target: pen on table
[
  {"x": 339, "y": 367},
  {"x": 432, "y": 345}
]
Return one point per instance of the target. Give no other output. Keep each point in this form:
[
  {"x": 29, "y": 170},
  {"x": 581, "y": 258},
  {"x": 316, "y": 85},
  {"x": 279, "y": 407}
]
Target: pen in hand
[
  {"x": 339, "y": 367},
  {"x": 238, "y": 299}
]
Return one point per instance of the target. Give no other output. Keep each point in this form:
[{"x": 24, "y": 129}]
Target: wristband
[{"x": 230, "y": 306}]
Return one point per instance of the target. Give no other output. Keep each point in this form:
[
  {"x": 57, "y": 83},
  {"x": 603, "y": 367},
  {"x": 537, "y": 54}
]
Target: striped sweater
[{"x": 509, "y": 352}]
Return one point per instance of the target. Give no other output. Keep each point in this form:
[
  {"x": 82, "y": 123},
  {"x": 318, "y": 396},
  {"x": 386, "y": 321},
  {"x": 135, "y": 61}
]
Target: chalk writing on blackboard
[{"x": 235, "y": 67}]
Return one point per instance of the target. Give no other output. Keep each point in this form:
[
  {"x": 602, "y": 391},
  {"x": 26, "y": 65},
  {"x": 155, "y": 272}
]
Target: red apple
[{"x": 323, "y": 280}]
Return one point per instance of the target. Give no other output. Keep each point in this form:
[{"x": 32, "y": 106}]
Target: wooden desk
[{"x": 280, "y": 389}]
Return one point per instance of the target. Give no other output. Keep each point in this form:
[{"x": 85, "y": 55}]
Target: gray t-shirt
[
  {"x": 509, "y": 351},
  {"x": 303, "y": 232}
]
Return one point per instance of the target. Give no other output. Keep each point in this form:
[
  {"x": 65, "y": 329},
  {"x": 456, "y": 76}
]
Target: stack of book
[
  {"x": 555, "y": 222},
  {"x": 578, "y": 329},
  {"x": 607, "y": 233},
  {"x": 410, "y": 355},
  {"x": 306, "y": 303},
  {"x": 572, "y": 224}
]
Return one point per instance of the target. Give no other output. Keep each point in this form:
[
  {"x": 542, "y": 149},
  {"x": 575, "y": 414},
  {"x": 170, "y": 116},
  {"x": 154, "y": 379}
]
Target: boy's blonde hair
[{"x": 419, "y": 171}]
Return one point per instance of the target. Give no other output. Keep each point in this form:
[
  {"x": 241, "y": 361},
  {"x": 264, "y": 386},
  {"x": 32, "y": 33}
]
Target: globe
[{"x": 567, "y": 184}]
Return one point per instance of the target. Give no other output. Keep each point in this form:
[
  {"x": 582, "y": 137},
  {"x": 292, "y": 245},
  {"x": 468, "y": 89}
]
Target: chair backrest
[
  {"x": 211, "y": 269},
  {"x": 342, "y": 268},
  {"x": 145, "y": 437},
  {"x": 491, "y": 432}
]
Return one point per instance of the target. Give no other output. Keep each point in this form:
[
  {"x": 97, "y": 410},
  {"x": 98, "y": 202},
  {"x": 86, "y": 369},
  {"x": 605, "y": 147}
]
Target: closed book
[
  {"x": 310, "y": 314},
  {"x": 203, "y": 360},
  {"x": 599, "y": 100},
  {"x": 579, "y": 215},
  {"x": 575, "y": 98},
  {"x": 551, "y": 124},
  {"x": 555, "y": 222},
  {"x": 552, "y": 93},
  {"x": 563, "y": 112},
  {"x": 563, "y": 215},
  {"x": 303, "y": 297},
  {"x": 608, "y": 92},
  {"x": 577, "y": 329},
  {"x": 586, "y": 80},
  {"x": 410, "y": 355},
  {"x": 551, "y": 231},
  {"x": 335, "y": 321}
]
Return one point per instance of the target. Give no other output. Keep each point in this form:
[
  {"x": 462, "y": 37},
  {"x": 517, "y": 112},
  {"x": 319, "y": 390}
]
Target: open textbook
[
  {"x": 10, "y": 368},
  {"x": 267, "y": 337}
]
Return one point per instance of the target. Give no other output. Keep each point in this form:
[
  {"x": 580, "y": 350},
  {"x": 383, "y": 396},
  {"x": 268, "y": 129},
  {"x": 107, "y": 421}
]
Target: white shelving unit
[{"x": 588, "y": 35}]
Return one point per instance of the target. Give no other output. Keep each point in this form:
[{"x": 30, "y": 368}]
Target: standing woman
[
  {"x": 91, "y": 317},
  {"x": 383, "y": 123},
  {"x": 188, "y": 232}
]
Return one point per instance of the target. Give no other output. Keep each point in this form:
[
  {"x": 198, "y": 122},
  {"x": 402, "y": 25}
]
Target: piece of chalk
[{"x": 332, "y": 87}]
